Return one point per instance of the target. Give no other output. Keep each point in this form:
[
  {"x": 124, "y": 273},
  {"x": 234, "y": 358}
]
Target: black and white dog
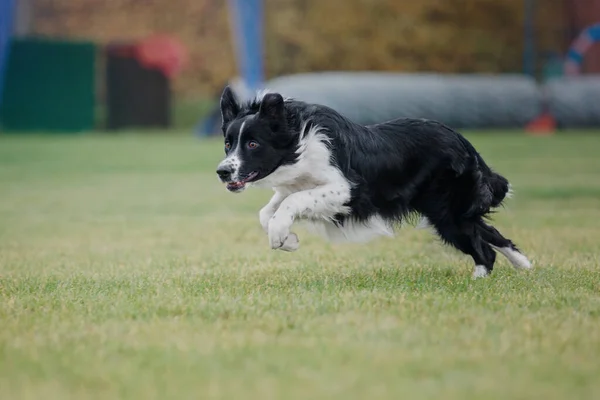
[{"x": 355, "y": 182}]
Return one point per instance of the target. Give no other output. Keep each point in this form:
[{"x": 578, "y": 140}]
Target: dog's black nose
[{"x": 224, "y": 172}]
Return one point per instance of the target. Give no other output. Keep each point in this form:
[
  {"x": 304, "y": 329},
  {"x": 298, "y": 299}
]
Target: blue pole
[
  {"x": 529, "y": 39},
  {"x": 247, "y": 27},
  {"x": 247, "y": 21},
  {"x": 6, "y": 21}
]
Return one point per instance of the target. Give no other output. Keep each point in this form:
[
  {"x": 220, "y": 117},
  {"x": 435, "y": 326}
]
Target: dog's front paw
[
  {"x": 264, "y": 216},
  {"x": 279, "y": 231},
  {"x": 292, "y": 243}
]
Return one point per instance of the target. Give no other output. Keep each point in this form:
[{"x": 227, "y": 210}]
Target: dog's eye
[
  {"x": 252, "y": 144},
  {"x": 227, "y": 145}
]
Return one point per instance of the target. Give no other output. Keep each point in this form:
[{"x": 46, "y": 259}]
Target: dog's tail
[
  {"x": 499, "y": 186},
  {"x": 489, "y": 189},
  {"x": 485, "y": 189}
]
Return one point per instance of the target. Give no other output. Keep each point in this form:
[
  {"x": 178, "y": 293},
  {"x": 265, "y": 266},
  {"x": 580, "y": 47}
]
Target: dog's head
[{"x": 257, "y": 139}]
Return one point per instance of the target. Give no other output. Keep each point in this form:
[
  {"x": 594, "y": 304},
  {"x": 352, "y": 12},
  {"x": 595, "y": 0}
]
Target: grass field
[{"x": 127, "y": 271}]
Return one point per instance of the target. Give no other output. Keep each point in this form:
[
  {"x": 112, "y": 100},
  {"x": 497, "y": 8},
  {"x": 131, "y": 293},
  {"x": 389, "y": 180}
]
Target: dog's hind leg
[
  {"x": 466, "y": 238},
  {"x": 503, "y": 245}
]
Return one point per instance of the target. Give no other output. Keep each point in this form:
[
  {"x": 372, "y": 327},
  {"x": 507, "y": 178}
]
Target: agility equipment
[
  {"x": 574, "y": 102},
  {"x": 50, "y": 85},
  {"x": 579, "y": 47},
  {"x": 461, "y": 101}
]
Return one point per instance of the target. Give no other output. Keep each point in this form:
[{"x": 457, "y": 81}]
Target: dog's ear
[
  {"x": 229, "y": 105},
  {"x": 272, "y": 109},
  {"x": 271, "y": 106}
]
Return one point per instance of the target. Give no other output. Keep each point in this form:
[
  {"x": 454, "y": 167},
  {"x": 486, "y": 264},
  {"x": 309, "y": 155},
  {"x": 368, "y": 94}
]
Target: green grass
[{"x": 127, "y": 271}]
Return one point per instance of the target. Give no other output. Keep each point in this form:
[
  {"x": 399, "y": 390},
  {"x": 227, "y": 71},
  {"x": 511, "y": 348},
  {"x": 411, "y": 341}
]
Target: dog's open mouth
[{"x": 240, "y": 185}]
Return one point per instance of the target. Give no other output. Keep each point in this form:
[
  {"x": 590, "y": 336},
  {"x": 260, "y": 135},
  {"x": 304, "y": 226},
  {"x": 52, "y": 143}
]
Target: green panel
[{"x": 50, "y": 86}]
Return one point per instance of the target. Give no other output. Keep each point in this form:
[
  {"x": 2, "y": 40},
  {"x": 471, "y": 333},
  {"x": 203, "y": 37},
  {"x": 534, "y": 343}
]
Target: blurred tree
[{"x": 312, "y": 35}]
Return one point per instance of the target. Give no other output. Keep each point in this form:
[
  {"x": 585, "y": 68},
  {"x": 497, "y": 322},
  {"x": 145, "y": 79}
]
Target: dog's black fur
[{"x": 398, "y": 168}]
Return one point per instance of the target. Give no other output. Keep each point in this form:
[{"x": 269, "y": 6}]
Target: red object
[
  {"x": 162, "y": 52},
  {"x": 543, "y": 125}
]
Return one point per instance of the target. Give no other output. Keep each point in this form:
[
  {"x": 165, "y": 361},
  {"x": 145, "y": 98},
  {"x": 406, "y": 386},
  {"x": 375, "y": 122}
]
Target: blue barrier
[{"x": 6, "y": 23}]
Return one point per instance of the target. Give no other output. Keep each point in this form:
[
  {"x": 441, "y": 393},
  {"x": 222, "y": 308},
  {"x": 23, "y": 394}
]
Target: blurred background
[{"x": 81, "y": 65}]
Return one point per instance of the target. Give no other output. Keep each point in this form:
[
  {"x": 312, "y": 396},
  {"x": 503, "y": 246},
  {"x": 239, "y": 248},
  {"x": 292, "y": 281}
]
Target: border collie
[{"x": 354, "y": 183}]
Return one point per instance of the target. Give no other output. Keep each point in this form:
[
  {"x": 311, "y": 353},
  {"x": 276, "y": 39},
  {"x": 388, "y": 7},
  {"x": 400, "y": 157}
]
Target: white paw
[
  {"x": 292, "y": 243},
  {"x": 279, "y": 231},
  {"x": 480, "y": 272},
  {"x": 517, "y": 259},
  {"x": 264, "y": 216}
]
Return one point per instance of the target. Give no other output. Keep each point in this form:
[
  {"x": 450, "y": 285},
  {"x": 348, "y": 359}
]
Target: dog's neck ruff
[{"x": 312, "y": 171}]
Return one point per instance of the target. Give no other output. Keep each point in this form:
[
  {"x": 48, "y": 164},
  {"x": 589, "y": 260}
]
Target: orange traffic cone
[{"x": 544, "y": 125}]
